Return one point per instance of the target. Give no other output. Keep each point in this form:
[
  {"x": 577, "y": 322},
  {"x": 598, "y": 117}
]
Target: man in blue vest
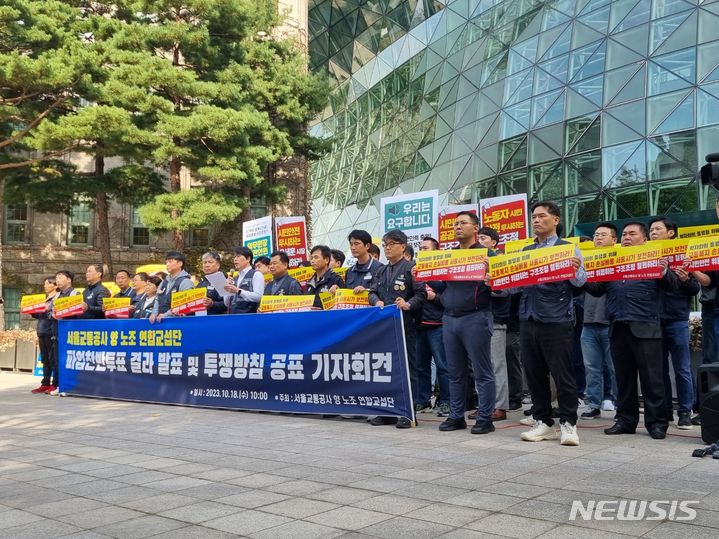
[
  {"x": 248, "y": 284},
  {"x": 635, "y": 338},
  {"x": 324, "y": 279},
  {"x": 94, "y": 293},
  {"x": 177, "y": 279},
  {"x": 360, "y": 275},
  {"x": 546, "y": 314}
]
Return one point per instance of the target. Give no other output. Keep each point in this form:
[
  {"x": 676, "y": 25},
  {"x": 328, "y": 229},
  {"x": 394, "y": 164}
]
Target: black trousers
[
  {"x": 547, "y": 349},
  {"x": 514, "y": 368},
  {"x": 49, "y": 360},
  {"x": 632, "y": 356}
]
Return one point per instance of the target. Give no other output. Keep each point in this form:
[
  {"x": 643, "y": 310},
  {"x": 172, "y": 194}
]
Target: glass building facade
[{"x": 606, "y": 107}]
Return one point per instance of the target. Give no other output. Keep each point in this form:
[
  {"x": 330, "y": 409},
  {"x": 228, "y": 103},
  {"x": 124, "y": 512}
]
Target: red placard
[
  {"x": 292, "y": 238},
  {"x": 446, "y": 224},
  {"x": 507, "y": 215}
]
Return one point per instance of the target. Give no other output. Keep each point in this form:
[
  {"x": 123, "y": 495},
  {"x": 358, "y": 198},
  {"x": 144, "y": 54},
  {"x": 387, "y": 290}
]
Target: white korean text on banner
[
  {"x": 257, "y": 236},
  {"x": 508, "y": 215},
  {"x": 415, "y": 214}
]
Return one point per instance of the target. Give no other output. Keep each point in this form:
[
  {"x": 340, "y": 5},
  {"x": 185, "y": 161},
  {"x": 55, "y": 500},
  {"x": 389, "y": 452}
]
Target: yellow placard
[
  {"x": 345, "y": 298},
  {"x": 183, "y": 297},
  {"x": 514, "y": 263},
  {"x": 702, "y": 231},
  {"x": 327, "y": 299},
  {"x": 517, "y": 245},
  {"x": 431, "y": 260},
  {"x": 67, "y": 302},
  {"x": 342, "y": 272},
  {"x": 116, "y": 303},
  {"x": 268, "y": 277},
  {"x": 301, "y": 274},
  {"x": 31, "y": 300},
  {"x": 274, "y": 304},
  {"x": 151, "y": 269},
  {"x": 703, "y": 253},
  {"x": 601, "y": 257}
]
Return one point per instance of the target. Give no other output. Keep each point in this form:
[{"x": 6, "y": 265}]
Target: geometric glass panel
[
  {"x": 624, "y": 164},
  {"x": 681, "y": 118},
  {"x": 659, "y": 107},
  {"x": 677, "y": 196},
  {"x": 671, "y": 156},
  {"x": 707, "y": 106}
]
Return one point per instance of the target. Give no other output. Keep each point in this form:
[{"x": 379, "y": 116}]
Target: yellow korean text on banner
[
  {"x": 619, "y": 263},
  {"x": 301, "y": 274},
  {"x": 68, "y": 306},
  {"x": 188, "y": 301},
  {"x": 327, "y": 299},
  {"x": 342, "y": 272},
  {"x": 535, "y": 266},
  {"x": 33, "y": 304},
  {"x": 703, "y": 254},
  {"x": 703, "y": 231},
  {"x": 347, "y": 299},
  {"x": 517, "y": 245},
  {"x": 674, "y": 250},
  {"x": 286, "y": 304},
  {"x": 452, "y": 265},
  {"x": 117, "y": 307}
]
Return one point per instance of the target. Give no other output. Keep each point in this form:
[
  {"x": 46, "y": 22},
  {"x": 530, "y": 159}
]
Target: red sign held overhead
[
  {"x": 292, "y": 238},
  {"x": 446, "y": 224},
  {"x": 507, "y": 215}
]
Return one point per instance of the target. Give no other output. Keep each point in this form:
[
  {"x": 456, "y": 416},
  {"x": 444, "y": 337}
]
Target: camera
[{"x": 709, "y": 173}]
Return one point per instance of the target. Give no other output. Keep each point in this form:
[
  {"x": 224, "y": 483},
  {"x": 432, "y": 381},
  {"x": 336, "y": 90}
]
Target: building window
[
  {"x": 199, "y": 237},
  {"x": 16, "y": 223},
  {"x": 79, "y": 226},
  {"x": 12, "y": 307},
  {"x": 140, "y": 234}
]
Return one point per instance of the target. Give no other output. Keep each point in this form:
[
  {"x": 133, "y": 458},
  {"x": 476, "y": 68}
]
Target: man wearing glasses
[
  {"x": 396, "y": 285},
  {"x": 467, "y": 332},
  {"x": 595, "y": 341}
]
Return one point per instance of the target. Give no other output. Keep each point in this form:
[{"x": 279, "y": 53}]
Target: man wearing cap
[
  {"x": 248, "y": 284},
  {"x": 177, "y": 279}
]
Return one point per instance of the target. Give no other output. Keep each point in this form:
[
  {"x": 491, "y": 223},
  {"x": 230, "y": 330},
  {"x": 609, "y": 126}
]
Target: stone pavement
[{"x": 77, "y": 467}]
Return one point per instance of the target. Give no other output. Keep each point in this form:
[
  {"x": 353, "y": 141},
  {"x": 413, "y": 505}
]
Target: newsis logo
[{"x": 633, "y": 510}]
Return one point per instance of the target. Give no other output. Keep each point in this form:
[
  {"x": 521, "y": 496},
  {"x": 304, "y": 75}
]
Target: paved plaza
[{"x": 77, "y": 467}]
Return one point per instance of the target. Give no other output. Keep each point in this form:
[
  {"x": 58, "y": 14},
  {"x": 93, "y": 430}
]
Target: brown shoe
[
  {"x": 499, "y": 415},
  {"x": 473, "y": 415}
]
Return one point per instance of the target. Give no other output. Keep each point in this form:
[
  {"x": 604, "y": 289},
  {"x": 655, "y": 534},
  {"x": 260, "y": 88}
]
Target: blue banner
[{"x": 320, "y": 362}]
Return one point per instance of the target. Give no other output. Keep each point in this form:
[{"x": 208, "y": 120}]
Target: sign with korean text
[
  {"x": 703, "y": 231},
  {"x": 188, "y": 301},
  {"x": 68, "y": 306},
  {"x": 286, "y": 304},
  {"x": 301, "y": 274},
  {"x": 342, "y": 272},
  {"x": 535, "y": 266},
  {"x": 117, "y": 307},
  {"x": 415, "y": 214},
  {"x": 674, "y": 250},
  {"x": 346, "y": 299},
  {"x": 33, "y": 304},
  {"x": 453, "y": 265},
  {"x": 623, "y": 263},
  {"x": 447, "y": 216},
  {"x": 517, "y": 245},
  {"x": 291, "y": 234},
  {"x": 257, "y": 236},
  {"x": 703, "y": 253},
  {"x": 324, "y": 362},
  {"x": 507, "y": 215}
]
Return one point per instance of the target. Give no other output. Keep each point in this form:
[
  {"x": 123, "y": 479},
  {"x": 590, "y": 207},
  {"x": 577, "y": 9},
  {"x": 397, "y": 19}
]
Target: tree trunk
[
  {"x": 175, "y": 165},
  {"x": 101, "y": 207},
  {"x": 2, "y": 206}
]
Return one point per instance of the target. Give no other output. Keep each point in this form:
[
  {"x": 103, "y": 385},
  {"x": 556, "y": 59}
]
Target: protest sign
[
  {"x": 33, "y": 304},
  {"x": 415, "y": 214},
  {"x": 292, "y": 238},
  {"x": 453, "y": 265},
  {"x": 535, "y": 266},
  {"x": 117, "y": 307},
  {"x": 68, "y": 306},
  {"x": 188, "y": 301},
  {"x": 447, "y": 216},
  {"x": 507, "y": 215},
  {"x": 257, "y": 236}
]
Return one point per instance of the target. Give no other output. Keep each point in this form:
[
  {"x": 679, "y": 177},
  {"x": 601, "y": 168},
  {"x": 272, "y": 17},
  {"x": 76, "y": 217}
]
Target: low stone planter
[{"x": 7, "y": 359}]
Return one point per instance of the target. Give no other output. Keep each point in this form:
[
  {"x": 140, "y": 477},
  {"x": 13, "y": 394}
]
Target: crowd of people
[{"x": 471, "y": 349}]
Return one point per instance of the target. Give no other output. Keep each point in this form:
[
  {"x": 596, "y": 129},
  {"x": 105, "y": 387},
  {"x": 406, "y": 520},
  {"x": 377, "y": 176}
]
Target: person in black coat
[
  {"x": 44, "y": 336},
  {"x": 214, "y": 302},
  {"x": 324, "y": 279}
]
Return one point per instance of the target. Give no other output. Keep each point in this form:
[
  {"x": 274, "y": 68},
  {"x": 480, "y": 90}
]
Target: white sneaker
[
  {"x": 529, "y": 421},
  {"x": 55, "y": 392},
  {"x": 540, "y": 431},
  {"x": 568, "y": 434},
  {"x": 608, "y": 406}
]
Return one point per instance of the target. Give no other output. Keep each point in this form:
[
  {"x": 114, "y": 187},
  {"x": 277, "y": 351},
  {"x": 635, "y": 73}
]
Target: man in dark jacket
[
  {"x": 281, "y": 284},
  {"x": 595, "y": 340},
  {"x": 324, "y": 279},
  {"x": 44, "y": 337},
  {"x": 396, "y": 285},
  {"x": 676, "y": 305},
  {"x": 63, "y": 280},
  {"x": 431, "y": 345},
  {"x": 122, "y": 280},
  {"x": 177, "y": 280},
  {"x": 467, "y": 333},
  {"x": 214, "y": 302},
  {"x": 546, "y": 313},
  {"x": 635, "y": 337},
  {"x": 94, "y": 293},
  {"x": 359, "y": 276}
]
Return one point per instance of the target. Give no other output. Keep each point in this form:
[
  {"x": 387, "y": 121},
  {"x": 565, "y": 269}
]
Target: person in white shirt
[{"x": 247, "y": 284}]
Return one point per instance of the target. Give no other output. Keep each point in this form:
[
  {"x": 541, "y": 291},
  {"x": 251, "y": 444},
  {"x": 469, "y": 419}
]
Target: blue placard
[{"x": 323, "y": 362}]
